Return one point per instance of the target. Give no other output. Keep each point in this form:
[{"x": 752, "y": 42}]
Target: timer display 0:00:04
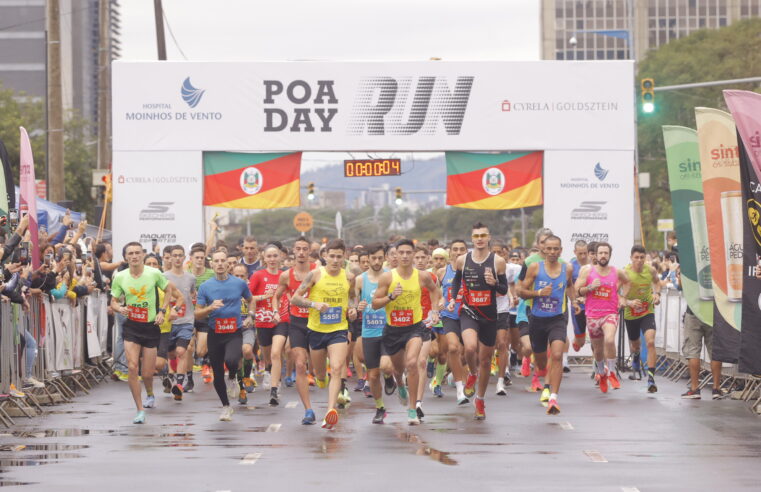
[{"x": 377, "y": 167}]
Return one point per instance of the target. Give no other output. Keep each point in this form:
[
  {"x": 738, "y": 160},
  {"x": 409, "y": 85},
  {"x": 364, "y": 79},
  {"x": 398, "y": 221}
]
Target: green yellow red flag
[
  {"x": 240, "y": 180},
  {"x": 494, "y": 181}
]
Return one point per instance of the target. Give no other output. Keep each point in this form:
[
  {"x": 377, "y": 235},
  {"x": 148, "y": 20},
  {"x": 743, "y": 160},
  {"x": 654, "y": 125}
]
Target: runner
[
  {"x": 202, "y": 273},
  {"x": 600, "y": 284},
  {"x": 250, "y": 257},
  {"x": 134, "y": 296},
  {"x": 373, "y": 321},
  {"x": 219, "y": 299},
  {"x": 505, "y": 331},
  {"x": 246, "y": 384},
  {"x": 437, "y": 362},
  {"x": 263, "y": 284},
  {"x": 579, "y": 320},
  {"x": 163, "y": 352},
  {"x": 297, "y": 329},
  {"x": 331, "y": 291},
  {"x": 546, "y": 286},
  {"x": 451, "y": 318},
  {"x": 639, "y": 314},
  {"x": 421, "y": 260},
  {"x": 182, "y": 327},
  {"x": 483, "y": 277},
  {"x": 399, "y": 292}
]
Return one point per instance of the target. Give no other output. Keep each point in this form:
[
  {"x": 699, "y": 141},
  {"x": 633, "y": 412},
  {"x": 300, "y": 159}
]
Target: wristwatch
[
  {"x": 391, "y": 297},
  {"x": 162, "y": 310}
]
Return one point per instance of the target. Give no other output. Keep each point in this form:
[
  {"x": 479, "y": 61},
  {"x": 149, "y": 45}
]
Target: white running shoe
[
  {"x": 32, "y": 381},
  {"x": 267, "y": 380},
  {"x": 227, "y": 414},
  {"x": 232, "y": 388},
  {"x": 501, "y": 387}
]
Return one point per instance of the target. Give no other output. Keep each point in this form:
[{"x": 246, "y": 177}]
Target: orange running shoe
[
  {"x": 536, "y": 385},
  {"x": 552, "y": 407},
  {"x": 480, "y": 409},
  {"x": 470, "y": 385},
  {"x": 526, "y": 367},
  {"x": 614, "y": 382},
  {"x": 310, "y": 378},
  {"x": 602, "y": 379},
  {"x": 331, "y": 419},
  {"x": 348, "y": 372},
  {"x": 206, "y": 373}
]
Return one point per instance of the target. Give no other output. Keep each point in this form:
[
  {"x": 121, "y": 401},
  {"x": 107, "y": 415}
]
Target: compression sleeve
[
  {"x": 456, "y": 283},
  {"x": 502, "y": 284}
]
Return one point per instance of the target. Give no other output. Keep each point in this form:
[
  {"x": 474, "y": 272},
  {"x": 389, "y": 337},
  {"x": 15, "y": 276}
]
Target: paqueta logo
[
  {"x": 190, "y": 94},
  {"x": 600, "y": 173},
  {"x": 251, "y": 180},
  {"x": 493, "y": 181}
]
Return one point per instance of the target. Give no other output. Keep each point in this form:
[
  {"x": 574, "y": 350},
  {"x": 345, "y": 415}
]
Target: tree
[{"x": 731, "y": 52}]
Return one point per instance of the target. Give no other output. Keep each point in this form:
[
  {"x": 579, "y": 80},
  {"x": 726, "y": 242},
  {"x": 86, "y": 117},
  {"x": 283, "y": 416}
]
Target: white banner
[
  {"x": 157, "y": 195},
  {"x": 590, "y": 196},
  {"x": 63, "y": 327},
  {"x": 373, "y": 106},
  {"x": 97, "y": 324}
]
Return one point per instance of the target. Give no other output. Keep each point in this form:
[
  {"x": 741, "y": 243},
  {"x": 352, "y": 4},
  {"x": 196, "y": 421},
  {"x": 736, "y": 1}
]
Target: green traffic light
[{"x": 648, "y": 107}]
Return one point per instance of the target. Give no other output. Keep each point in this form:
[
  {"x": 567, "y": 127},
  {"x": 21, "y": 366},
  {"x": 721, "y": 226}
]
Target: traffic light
[
  {"x": 310, "y": 191},
  {"x": 648, "y": 95},
  {"x": 398, "y": 193}
]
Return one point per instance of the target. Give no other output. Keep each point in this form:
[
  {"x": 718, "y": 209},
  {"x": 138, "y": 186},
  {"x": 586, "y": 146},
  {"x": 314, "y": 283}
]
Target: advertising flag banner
[
  {"x": 7, "y": 196},
  {"x": 241, "y": 180},
  {"x": 746, "y": 111},
  {"x": 683, "y": 162},
  {"x": 28, "y": 193},
  {"x": 720, "y": 171},
  {"x": 494, "y": 181}
]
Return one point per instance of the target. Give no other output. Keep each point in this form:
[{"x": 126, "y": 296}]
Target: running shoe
[
  {"x": 310, "y": 379},
  {"x": 344, "y": 398},
  {"x": 470, "y": 385},
  {"x": 403, "y": 398},
  {"x": 419, "y": 410},
  {"x": 614, "y": 382},
  {"x": 635, "y": 376},
  {"x": 189, "y": 385},
  {"x": 501, "y": 388},
  {"x": 330, "y": 420},
  {"x": 552, "y": 407},
  {"x": 321, "y": 383},
  {"x": 367, "y": 391},
  {"x": 545, "y": 396},
  {"x": 506, "y": 380},
  {"x": 177, "y": 392},
  {"x": 206, "y": 373},
  {"x": 197, "y": 367},
  {"x": 289, "y": 382},
  {"x": 578, "y": 342},
  {"x": 227, "y": 414},
  {"x": 121, "y": 376},
  {"x": 390, "y": 385},
  {"x": 412, "y": 418},
  {"x": 526, "y": 367},
  {"x": 719, "y": 393},
  {"x": 602, "y": 382},
  {"x": 513, "y": 358},
  {"x": 463, "y": 400},
  {"x": 348, "y": 372},
  {"x": 149, "y": 402},
  {"x": 566, "y": 369},
  {"x": 380, "y": 414},
  {"x": 636, "y": 365},
  {"x": 360, "y": 385},
  {"x": 274, "y": 397},
  {"x": 242, "y": 397},
  {"x": 691, "y": 394},
  {"x": 167, "y": 383},
  {"x": 536, "y": 385},
  {"x": 430, "y": 368},
  {"x": 651, "y": 387},
  {"x": 139, "y": 418},
  {"x": 249, "y": 384},
  {"x": 437, "y": 391},
  {"x": 267, "y": 380},
  {"x": 309, "y": 417},
  {"x": 480, "y": 409},
  {"x": 33, "y": 382},
  {"x": 494, "y": 369},
  {"x": 232, "y": 388}
]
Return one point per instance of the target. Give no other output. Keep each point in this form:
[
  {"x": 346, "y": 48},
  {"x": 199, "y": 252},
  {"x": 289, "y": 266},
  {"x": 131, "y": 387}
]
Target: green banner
[{"x": 683, "y": 162}]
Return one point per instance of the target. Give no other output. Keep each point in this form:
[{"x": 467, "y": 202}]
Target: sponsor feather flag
[
  {"x": 239, "y": 180},
  {"x": 28, "y": 193},
  {"x": 494, "y": 181},
  {"x": 7, "y": 199}
]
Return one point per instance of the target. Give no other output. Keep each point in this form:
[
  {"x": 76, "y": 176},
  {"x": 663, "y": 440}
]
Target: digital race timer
[{"x": 372, "y": 167}]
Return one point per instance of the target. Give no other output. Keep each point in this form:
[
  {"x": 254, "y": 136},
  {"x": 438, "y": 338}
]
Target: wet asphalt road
[{"x": 626, "y": 440}]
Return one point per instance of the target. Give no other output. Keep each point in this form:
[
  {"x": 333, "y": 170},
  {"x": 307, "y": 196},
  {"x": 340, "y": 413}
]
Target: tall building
[
  {"x": 23, "y": 51},
  {"x": 599, "y": 29}
]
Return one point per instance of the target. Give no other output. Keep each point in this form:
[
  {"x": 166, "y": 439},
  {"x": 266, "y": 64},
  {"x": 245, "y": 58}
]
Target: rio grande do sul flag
[
  {"x": 240, "y": 180},
  {"x": 494, "y": 181}
]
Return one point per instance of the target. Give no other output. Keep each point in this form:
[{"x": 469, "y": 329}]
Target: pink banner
[
  {"x": 745, "y": 107},
  {"x": 28, "y": 194}
]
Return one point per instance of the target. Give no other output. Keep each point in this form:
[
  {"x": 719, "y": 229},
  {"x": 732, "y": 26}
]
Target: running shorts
[
  {"x": 634, "y": 326},
  {"x": 395, "y": 338},
  {"x": 486, "y": 329}
]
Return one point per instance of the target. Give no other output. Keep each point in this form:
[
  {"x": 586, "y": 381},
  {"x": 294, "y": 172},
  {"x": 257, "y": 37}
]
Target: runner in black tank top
[{"x": 479, "y": 298}]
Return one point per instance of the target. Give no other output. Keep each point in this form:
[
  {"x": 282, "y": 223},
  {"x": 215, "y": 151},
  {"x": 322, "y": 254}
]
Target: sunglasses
[{"x": 483, "y": 235}]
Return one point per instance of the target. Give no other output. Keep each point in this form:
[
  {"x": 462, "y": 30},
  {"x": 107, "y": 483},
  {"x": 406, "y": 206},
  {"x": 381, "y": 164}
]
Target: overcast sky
[{"x": 250, "y": 30}]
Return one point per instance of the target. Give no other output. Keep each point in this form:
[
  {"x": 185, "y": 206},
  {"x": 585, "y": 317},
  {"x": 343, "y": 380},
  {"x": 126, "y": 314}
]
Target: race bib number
[
  {"x": 547, "y": 304},
  {"x": 401, "y": 317},
  {"x": 479, "y": 297},
  {"x": 301, "y": 312},
  {"x": 602, "y": 292},
  {"x": 225, "y": 325},
  {"x": 332, "y": 316},
  {"x": 137, "y": 314},
  {"x": 642, "y": 310},
  {"x": 375, "y": 319},
  {"x": 449, "y": 295}
]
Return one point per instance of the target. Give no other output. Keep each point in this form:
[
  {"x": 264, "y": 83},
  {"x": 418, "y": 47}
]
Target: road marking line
[
  {"x": 566, "y": 426},
  {"x": 291, "y": 404},
  {"x": 250, "y": 458},
  {"x": 596, "y": 456},
  {"x": 273, "y": 427},
  {"x": 629, "y": 489}
]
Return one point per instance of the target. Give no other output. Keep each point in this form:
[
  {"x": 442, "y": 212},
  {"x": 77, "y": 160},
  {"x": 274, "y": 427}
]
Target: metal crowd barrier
[{"x": 71, "y": 352}]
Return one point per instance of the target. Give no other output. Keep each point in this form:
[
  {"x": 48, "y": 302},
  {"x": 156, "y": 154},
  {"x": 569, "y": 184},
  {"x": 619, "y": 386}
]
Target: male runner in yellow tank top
[
  {"x": 402, "y": 335},
  {"x": 332, "y": 303}
]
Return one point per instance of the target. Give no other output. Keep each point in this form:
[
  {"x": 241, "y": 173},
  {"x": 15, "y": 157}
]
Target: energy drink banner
[
  {"x": 746, "y": 110},
  {"x": 720, "y": 171},
  {"x": 683, "y": 162},
  {"x": 28, "y": 193}
]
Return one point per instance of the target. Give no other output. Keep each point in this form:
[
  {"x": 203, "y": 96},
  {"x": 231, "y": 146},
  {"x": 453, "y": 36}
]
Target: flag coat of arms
[
  {"x": 240, "y": 180},
  {"x": 494, "y": 181}
]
